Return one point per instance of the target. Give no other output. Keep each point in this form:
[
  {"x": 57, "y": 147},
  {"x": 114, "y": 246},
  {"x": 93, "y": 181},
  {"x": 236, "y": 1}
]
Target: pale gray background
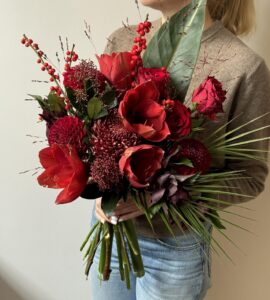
[{"x": 39, "y": 242}]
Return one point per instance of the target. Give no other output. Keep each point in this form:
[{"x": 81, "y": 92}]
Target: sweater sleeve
[{"x": 251, "y": 101}]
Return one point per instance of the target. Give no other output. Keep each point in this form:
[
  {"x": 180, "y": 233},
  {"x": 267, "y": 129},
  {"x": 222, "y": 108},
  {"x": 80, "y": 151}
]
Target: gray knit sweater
[{"x": 246, "y": 78}]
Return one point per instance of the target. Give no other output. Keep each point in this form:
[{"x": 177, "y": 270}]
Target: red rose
[
  {"x": 142, "y": 114},
  {"x": 160, "y": 77},
  {"x": 117, "y": 69},
  {"x": 63, "y": 169},
  {"x": 209, "y": 97},
  {"x": 178, "y": 119},
  {"x": 140, "y": 163},
  {"x": 193, "y": 150}
]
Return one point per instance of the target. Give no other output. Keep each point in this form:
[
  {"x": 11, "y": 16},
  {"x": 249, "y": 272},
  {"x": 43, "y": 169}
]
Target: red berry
[
  {"x": 146, "y": 29},
  {"x": 51, "y": 79},
  {"x": 143, "y": 46},
  {"x": 35, "y": 46},
  {"x": 27, "y": 44},
  {"x": 52, "y": 88},
  {"x": 43, "y": 68},
  {"x": 68, "y": 59},
  {"x": 38, "y": 60},
  {"x": 141, "y": 33},
  {"x": 57, "y": 77},
  {"x": 133, "y": 73},
  {"x": 40, "y": 53},
  {"x": 133, "y": 84},
  {"x": 147, "y": 24},
  {"x": 23, "y": 41},
  {"x": 67, "y": 107},
  {"x": 141, "y": 26},
  {"x": 68, "y": 52},
  {"x": 30, "y": 41}
]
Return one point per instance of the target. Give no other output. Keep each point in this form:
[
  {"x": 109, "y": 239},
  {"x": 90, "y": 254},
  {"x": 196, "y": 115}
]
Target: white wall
[{"x": 39, "y": 241}]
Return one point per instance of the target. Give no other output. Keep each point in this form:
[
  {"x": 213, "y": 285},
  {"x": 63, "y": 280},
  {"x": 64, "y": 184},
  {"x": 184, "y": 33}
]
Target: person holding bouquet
[{"x": 183, "y": 271}]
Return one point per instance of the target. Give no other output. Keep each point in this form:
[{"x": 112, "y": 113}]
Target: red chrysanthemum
[
  {"x": 196, "y": 152},
  {"x": 68, "y": 131}
]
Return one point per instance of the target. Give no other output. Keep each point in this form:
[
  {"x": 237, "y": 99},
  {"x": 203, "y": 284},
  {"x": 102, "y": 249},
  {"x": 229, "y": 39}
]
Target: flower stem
[
  {"x": 93, "y": 249},
  {"x": 119, "y": 251},
  {"x": 108, "y": 254},
  {"x": 88, "y": 236},
  {"x": 134, "y": 248},
  {"x": 126, "y": 262}
]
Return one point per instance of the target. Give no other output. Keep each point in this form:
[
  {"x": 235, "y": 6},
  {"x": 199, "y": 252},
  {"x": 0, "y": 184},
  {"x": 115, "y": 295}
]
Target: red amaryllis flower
[
  {"x": 117, "y": 69},
  {"x": 140, "y": 163},
  {"x": 196, "y": 152},
  {"x": 68, "y": 131},
  {"x": 209, "y": 98},
  {"x": 159, "y": 76},
  {"x": 178, "y": 119},
  {"x": 142, "y": 114},
  {"x": 63, "y": 169}
]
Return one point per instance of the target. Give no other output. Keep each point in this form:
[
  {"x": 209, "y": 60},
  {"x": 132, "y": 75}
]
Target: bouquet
[{"x": 123, "y": 132}]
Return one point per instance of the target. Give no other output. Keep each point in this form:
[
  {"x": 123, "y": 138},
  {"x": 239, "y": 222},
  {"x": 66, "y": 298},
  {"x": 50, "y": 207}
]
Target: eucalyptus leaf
[
  {"x": 176, "y": 45},
  {"x": 94, "y": 107}
]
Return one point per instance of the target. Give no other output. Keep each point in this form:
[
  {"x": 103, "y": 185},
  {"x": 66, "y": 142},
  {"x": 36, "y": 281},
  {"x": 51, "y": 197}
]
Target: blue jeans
[{"x": 172, "y": 271}]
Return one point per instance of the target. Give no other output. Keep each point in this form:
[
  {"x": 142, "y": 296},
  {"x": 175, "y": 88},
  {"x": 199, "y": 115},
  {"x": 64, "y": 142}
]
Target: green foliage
[
  {"x": 109, "y": 202},
  {"x": 55, "y": 103},
  {"x": 94, "y": 108},
  {"x": 176, "y": 45}
]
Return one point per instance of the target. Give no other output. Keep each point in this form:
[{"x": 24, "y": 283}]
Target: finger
[{"x": 100, "y": 215}]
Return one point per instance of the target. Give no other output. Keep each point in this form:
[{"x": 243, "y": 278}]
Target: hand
[{"x": 124, "y": 210}]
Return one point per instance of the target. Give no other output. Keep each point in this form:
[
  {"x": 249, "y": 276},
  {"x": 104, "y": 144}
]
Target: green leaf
[
  {"x": 184, "y": 162},
  {"x": 108, "y": 97},
  {"x": 103, "y": 113},
  {"x": 215, "y": 219},
  {"x": 71, "y": 97},
  {"x": 55, "y": 103},
  {"x": 176, "y": 45},
  {"x": 88, "y": 87},
  {"x": 108, "y": 202},
  {"x": 40, "y": 100},
  {"x": 94, "y": 107}
]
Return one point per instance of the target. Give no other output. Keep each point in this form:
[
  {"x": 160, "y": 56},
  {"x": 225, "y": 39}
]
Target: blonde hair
[{"x": 237, "y": 15}]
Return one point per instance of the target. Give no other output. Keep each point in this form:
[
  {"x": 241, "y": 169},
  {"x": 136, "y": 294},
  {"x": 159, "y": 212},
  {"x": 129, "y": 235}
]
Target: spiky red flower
[
  {"x": 196, "y": 152},
  {"x": 105, "y": 172},
  {"x": 111, "y": 138},
  {"x": 75, "y": 77},
  {"x": 68, "y": 131},
  {"x": 109, "y": 141}
]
